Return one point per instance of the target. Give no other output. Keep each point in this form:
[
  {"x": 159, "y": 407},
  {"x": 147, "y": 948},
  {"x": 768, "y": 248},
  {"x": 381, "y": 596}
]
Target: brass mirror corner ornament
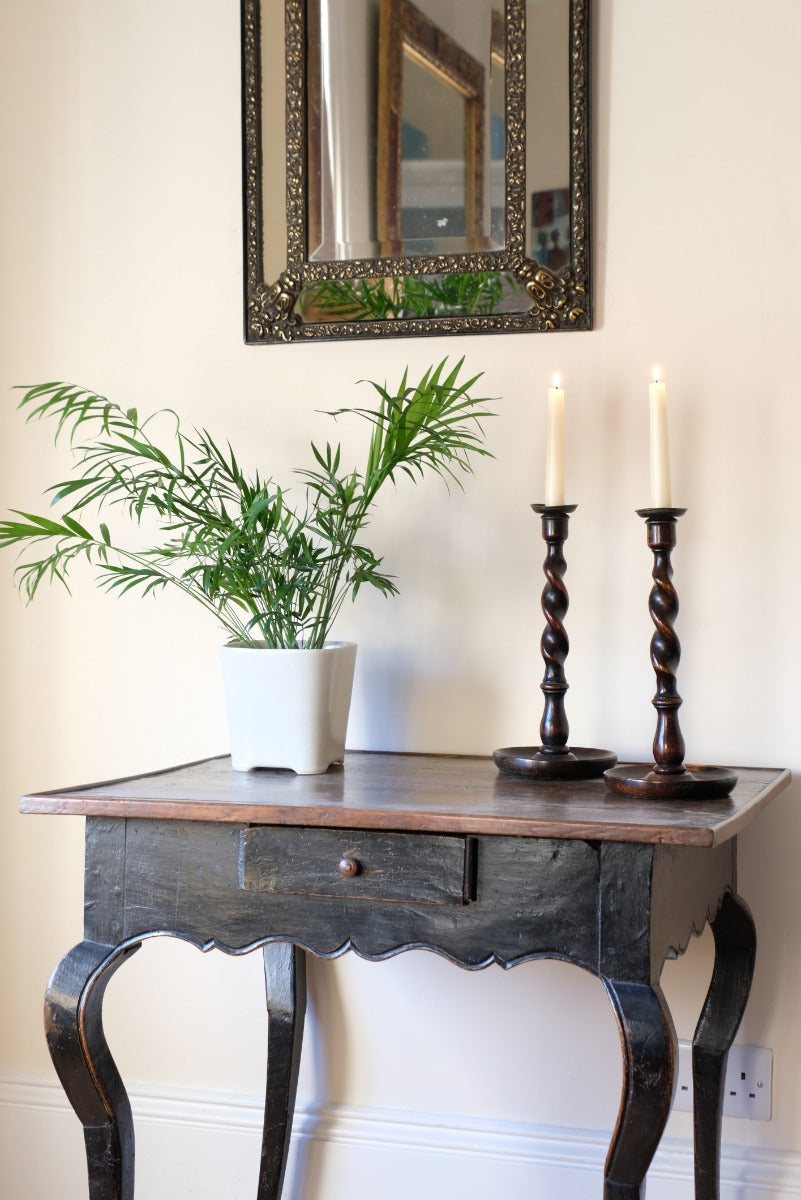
[{"x": 371, "y": 212}]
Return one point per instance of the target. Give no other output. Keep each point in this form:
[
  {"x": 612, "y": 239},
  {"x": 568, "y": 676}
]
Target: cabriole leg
[
  {"x": 285, "y": 979},
  {"x": 74, "y": 1029},
  {"x": 735, "y": 952},
  {"x": 648, "y": 1041}
]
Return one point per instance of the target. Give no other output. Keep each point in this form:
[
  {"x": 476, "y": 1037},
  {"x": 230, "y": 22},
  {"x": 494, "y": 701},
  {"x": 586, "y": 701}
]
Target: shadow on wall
[
  {"x": 410, "y": 708},
  {"x": 325, "y": 1042}
]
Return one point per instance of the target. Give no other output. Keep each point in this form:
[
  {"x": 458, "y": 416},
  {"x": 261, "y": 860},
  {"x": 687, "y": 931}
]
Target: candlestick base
[
  {"x": 533, "y": 762},
  {"x": 644, "y": 781}
]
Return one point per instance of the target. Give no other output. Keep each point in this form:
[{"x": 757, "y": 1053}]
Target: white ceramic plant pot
[{"x": 288, "y": 708}]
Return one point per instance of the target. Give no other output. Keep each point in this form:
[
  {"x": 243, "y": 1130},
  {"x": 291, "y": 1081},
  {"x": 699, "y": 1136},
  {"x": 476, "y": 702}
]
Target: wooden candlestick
[
  {"x": 553, "y": 759},
  {"x": 667, "y": 777}
]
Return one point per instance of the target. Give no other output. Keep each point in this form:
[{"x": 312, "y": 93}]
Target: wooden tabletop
[{"x": 438, "y": 793}]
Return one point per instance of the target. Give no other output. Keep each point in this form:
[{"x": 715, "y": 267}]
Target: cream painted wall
[{"x": 120, "y": 267}]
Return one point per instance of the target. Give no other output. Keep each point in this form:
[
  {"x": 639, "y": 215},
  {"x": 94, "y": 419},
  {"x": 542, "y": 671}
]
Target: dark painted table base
[
  {"x": 96, "y": 1092},
  {"x": 615, "y": 908}
]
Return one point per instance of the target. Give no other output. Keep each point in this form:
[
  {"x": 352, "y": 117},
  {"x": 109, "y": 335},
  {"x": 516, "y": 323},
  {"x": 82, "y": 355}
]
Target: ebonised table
[{"x": 393, "y": 852}]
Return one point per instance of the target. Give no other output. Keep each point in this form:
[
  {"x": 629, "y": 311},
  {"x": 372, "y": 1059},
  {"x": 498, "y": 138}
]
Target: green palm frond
[{"x": 271, "y": 569}]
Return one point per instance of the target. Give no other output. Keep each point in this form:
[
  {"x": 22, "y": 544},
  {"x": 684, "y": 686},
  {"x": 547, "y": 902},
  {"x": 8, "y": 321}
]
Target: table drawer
[{"x": 417, "y": 867}]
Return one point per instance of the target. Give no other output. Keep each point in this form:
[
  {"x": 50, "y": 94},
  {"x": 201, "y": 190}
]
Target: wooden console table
[{"x": 395, "y": 852}]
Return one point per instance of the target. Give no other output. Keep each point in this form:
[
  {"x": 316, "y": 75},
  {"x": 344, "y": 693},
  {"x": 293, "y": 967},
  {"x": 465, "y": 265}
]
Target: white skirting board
[{"x": 205, "y": 1146}]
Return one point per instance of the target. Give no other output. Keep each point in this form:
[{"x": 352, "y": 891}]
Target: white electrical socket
[{"x": 749, "y": 1082}]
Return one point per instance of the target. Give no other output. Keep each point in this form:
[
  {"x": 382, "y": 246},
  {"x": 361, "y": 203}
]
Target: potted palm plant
[{"x": 273, "y": 567}]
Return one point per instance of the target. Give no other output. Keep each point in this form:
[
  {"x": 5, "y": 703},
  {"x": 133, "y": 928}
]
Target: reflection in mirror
[
  {"x": 415, "y": 166},
  {"x": 432, "y": 134},
  {"x": 439, "y": 189},
  {"x": 398, "y": 133},
  {"x": 273, "y": 137},
  {"x": 402, "y": 297},
  {"x": 341, "y": 72},
  {"x": 547, "y": 132}
]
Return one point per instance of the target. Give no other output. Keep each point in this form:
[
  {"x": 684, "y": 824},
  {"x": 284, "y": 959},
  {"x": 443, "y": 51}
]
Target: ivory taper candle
[
  {"x": 555, "y": 445},
  {"x": 660, "y": 446}
]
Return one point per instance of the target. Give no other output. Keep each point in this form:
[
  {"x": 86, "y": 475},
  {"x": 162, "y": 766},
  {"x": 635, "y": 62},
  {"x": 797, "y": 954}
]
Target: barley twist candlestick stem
[
  {"x": 554, "y": 643},
  {"x": 553, "y": 759},
  {"x": 667, "y": 777},
  {"x": 663, "y": 605}
]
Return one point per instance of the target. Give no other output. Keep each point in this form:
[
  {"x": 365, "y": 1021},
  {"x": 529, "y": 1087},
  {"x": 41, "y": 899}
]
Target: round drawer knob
[{"x": 349, "y": 867}]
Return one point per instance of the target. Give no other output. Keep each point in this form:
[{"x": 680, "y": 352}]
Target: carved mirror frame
[{"x": 559, "y": 300}]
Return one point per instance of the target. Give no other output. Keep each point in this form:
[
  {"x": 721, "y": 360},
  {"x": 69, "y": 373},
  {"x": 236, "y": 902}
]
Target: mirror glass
[
  {"x": 273, "y": 138},
  {"x": 434, "y": 204},
  {"x": 547, "y": 132},
  {"x": 414, "y": 167},
  {"x": 400, "y": 143}
]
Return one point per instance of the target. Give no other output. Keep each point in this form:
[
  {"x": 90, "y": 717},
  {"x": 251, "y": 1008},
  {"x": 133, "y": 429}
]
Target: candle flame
[
  {"x": 557, "y": 379},
  {"x": 657, "y": 375}
]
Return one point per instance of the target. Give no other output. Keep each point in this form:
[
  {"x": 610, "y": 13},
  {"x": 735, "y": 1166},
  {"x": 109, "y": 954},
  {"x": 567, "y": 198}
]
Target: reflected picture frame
[{"x": 404, "y": 30}]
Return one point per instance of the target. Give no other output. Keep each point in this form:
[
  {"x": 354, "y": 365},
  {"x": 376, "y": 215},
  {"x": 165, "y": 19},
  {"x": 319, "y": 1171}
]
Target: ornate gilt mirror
[{"x": 415, "y": 167}]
